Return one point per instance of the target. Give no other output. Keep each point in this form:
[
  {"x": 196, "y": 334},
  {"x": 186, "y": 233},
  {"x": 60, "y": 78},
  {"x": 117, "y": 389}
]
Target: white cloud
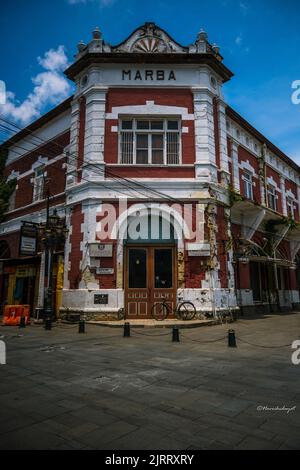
[
  {"x": 54, "y": 59},
  {"x": 244, "y": 7},
  {"x": 50, "y": 87},
  {"x": 239, "y": 40}
]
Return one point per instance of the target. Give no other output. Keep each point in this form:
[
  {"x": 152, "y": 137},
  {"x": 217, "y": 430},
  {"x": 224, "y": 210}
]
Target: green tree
[{"x": 6, "y": 187}]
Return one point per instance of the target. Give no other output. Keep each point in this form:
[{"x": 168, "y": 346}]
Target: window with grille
[
  {"x": 272, "y": 199},
  {"x": 290, "y": 207},
  {"x": 149, "y": 141},
  {"x": 38, "y": 184},
  {"x": 248, "y": 185}
]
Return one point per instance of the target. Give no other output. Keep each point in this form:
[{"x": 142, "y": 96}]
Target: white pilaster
[
  {"x": 94, "y": 133},
  {"x": 283, "y": 195},
  {"x": 223, "y": 138},
  {"x": 205, "y": 165},
  {"x": 73, "y": 146},
  {"x": 235, "y": 165}
]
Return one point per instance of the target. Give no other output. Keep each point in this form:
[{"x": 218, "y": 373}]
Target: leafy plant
[{"x": 234, "y": 196}]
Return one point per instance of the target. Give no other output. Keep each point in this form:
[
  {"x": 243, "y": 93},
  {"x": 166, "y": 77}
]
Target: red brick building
[{"x": 167, "y": 191}]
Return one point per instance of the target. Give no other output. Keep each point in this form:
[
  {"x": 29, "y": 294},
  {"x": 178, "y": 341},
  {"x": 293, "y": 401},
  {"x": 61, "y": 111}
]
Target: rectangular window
[
  {"x": 127, "y": 147},
  {"x": 149, "y": 141},
  {"x": 272, "y": 199},
  {"x": 38, "y": 184},
  {"x": 248, "y": 185},
  {"x": 137, "y": 268},
  {"x": 157, "y": 149},
  {"x": 142, "y": 148}
]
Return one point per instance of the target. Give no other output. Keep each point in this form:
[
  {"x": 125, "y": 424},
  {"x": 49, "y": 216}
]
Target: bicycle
[
  {"x": 184, "y": 310},
  {"x": 121, "y": 313}
]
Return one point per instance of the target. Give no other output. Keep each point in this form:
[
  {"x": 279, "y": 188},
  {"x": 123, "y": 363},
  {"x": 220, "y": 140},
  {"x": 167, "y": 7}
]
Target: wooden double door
[{"x": 150, "y": 277}]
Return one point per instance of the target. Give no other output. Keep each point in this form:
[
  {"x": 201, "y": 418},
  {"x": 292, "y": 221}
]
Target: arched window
[{"x": 4, "y": 250}]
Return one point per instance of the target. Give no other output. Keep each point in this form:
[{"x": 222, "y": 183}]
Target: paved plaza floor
[{"x": 99, "y": 390}]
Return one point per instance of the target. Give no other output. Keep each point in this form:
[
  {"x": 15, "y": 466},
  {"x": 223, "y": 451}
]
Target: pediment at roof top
[{"x": 149, "y": 38}]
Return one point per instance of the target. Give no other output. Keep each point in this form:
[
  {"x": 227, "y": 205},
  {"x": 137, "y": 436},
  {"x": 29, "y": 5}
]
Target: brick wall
[
  {"x": 12, "y": 240},
  {"x": 194, "y": 273},
  {"x": 55, "y": 173},
  {"x": 50, "y": 150}
]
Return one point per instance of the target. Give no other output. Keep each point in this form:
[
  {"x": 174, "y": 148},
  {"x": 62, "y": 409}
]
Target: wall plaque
[
  {"x": 28, "y": 240},
  {"x": 101, "y": 299},
  {"x": 101, "y": 250},
  {"x": 104, "y": 270}
]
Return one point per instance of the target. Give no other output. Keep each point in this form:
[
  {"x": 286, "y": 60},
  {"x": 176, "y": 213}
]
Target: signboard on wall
[
  {"x": 28, "y": 240},
  {"x": 101, "y": 250},
  {"x": 101, "y": 299},
  {"x": 25, "y": 271},
  {"x": 105, "y": 271},
  {"x": 198, "y": 249}
]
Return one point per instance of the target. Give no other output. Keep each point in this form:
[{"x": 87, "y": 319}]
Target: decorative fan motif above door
[{"x": 149, "y": 44}]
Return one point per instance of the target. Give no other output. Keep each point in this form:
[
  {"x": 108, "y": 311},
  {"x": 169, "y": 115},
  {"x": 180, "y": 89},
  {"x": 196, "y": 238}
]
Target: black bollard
[
  {"x": 48, "y": 324},
  {"x": 126, "y": 330},
  {"x": 231, "y": 339},
  {"x": 175, "y": 334},
  {"x": 22, "y": 323},
  {"x": 81, "y": 328}
]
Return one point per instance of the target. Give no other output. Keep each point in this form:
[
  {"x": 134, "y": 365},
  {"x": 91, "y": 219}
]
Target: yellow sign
[{"x": 25, "y": 271}]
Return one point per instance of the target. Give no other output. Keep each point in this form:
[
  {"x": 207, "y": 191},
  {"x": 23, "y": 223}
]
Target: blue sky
[{"x": 260, "y": 42}]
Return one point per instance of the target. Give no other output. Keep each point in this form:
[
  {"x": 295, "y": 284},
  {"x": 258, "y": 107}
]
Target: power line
[
  {"x": 127, "y": 185},
  {"x": 106, "y": 172},
  {"x": 125, "y": 182},
  {"x": 74, "y": 166}
]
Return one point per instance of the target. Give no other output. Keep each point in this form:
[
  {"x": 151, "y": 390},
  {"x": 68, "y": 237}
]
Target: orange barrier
[{"x": 13, "y": 314}]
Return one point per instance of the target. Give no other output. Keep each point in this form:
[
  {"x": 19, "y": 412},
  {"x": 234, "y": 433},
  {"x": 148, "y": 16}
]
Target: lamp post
[{"x": 54, "y": 233}]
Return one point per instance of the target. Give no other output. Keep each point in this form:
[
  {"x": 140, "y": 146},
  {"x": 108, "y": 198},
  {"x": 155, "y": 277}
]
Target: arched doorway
[
  {"x": 4, "y": 250},
  {"x": 150, "y": 264}
]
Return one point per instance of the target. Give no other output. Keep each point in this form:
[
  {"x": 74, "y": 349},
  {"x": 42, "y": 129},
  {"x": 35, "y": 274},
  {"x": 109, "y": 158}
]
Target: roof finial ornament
[
  {"x": 97, "y": 33},
  {"x": 215, "y": 48},
  {"x": 81, "y": 46},
  {"x": 202, "y": 35}
]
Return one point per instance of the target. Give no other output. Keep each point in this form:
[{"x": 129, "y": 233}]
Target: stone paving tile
[
  {"x": 28, "y": 438},
  {"x": 144, "y": 439},
  {"x": 252, "y": 443},
  {"x": 102, "y": 392},
  {"x": 16, "y": 423},
  {"x": 96, "y": 416},
  {"x": 100, "y": 437},
  {"x": 81, "y": 429}
]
